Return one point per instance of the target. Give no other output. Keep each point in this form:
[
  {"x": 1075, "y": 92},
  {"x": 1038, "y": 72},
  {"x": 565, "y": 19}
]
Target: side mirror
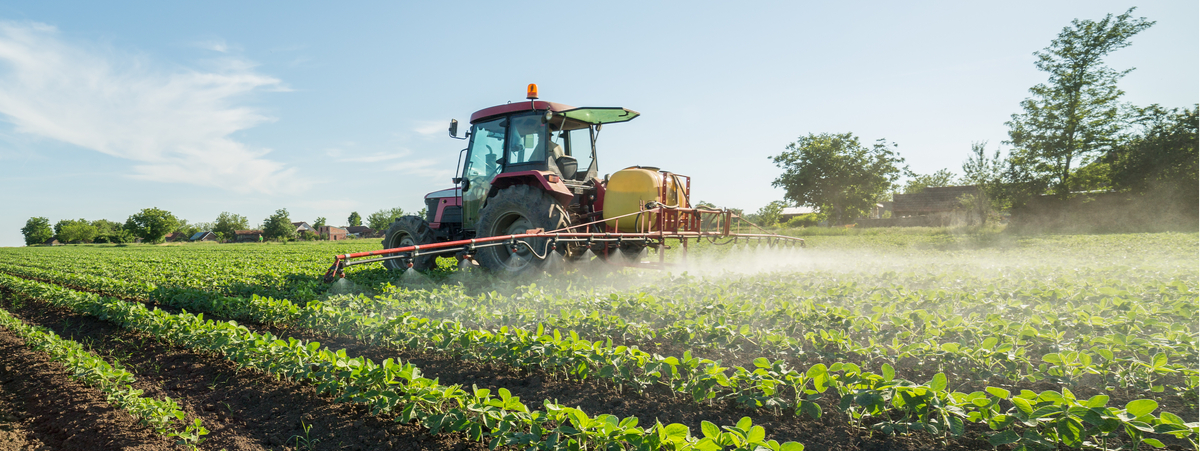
[
  {"x": 466, "y": 185},
  {"x": 453, "y": 128},
  {"x": 456, "y": 180}
]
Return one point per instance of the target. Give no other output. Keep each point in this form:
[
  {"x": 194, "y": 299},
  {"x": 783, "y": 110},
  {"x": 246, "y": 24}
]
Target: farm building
[
  {"x": 175, "y": 236},
  {"x": 791, "y": 212},
  {"x": 932, "y": 200},
  {"x": 363, "y": 232},
  {"x": 302, "y": 227},
  {"x": 248, "y": 236},
  {"x": 203, "y": 236},
  {"x": 332, "y": 233}
]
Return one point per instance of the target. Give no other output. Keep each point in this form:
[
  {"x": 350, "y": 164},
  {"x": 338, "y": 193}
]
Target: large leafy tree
[
  {"x": 837, "y": 174},
  {"x": 227, "y": 225},
  {"x": 37, "y": 231},
  {"x": 354, "y": 220},
  {"x": 111, "y": 232},
  {"x": 381, "y": 219},
  {"x": 1069, "y": 120},
  {"x": 75, "y": 231},
  {"x": 768, "y": 215},
  {"x": 918, "y": 183},
  {"x": 279, "y": 226},
  {"x": 1161, "y": 157},
  {"x": 151, "y": 224}
]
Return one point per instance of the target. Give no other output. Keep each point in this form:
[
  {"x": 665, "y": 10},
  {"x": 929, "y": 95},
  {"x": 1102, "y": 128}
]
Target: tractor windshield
[
  {"x": 527, "y": 140},
  {"x": 484, "y": 161}
]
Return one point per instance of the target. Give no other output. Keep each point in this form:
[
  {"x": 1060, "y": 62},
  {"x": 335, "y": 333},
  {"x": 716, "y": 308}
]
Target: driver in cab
[{"x": 529, "y": 139}]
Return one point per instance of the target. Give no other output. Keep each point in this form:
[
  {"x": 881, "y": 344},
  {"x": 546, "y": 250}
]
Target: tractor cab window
[
  {"x": 526, "y": 140},
  {"x": 578, "y": 143},
  {"x": 487, "y": 149},
  {"x": 484, "y": 161}
]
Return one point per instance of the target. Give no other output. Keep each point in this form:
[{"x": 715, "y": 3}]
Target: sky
[{"x": 198, "y": 108}]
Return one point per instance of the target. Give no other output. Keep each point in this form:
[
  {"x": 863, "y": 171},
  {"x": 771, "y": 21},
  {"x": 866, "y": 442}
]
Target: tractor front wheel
[
  {"x": 409, "y": 231},
  {"x": 513, "y": 211}
]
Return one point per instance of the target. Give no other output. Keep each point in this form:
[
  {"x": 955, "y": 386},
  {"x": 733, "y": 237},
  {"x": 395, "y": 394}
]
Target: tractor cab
[{"x": 538, "y": 143}]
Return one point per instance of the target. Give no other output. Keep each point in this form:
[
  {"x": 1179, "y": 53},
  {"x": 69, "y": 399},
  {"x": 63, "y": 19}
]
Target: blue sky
[{"x": 202, "y": 107}]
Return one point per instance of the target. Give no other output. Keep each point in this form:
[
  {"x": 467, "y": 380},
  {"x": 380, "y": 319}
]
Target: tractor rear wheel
[
  {"x": 409, "y": 231},
  {"x": 512, "y": 211}
]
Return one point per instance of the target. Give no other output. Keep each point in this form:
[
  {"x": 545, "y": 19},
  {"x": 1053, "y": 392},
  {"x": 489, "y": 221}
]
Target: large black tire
[
  {"x": 409, "y": 231},
  {"x": 512, "y": 211}
]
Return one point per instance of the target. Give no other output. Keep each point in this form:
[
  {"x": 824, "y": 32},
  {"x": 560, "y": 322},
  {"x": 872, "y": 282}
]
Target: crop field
[{"x": 870, "y": 340}]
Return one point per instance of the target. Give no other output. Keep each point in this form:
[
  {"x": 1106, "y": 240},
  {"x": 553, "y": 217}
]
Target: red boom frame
[{"x": 676, "y": 223}]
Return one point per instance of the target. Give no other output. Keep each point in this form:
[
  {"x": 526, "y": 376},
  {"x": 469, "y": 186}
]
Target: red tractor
[
  {"x": 529, "y": 185},
  {"x": 522, "y": 172}
]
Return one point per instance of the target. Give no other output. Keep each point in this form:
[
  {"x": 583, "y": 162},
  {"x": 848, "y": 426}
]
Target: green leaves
[
  {"x": 1141, "y": 407},
  {"x": 1021, "y": 329},
  {"x": 115, "y": 382},
  {"x": 384, "y": 386}
]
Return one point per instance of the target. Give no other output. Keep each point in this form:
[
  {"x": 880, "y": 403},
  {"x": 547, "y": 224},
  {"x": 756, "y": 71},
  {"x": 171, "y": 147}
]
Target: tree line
[
  {"x": 152, "y": 225},
  {"x": 1072, "y": 135}
]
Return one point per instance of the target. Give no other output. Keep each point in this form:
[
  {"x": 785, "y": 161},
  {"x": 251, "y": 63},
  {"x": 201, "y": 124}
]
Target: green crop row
[
  {"x": 230, "y": 269},
  {"x": 1129, "y": 353},
  {"x": 391, "y": 387},
  {"x": 112, "y": 380},
  {"x": 568, "y": 353},
  {"x": 769, "y": 384}
]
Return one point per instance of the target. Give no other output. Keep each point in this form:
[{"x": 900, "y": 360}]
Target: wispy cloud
[
  {"x": 430, "y": 127},
  {"x": 373, "y": 158},
  {"x": 422, "y": 168},
  {"x": 343, "y": 156},
  {"x": 175, "y": 124},
  {"x": 216, "y": 45}
]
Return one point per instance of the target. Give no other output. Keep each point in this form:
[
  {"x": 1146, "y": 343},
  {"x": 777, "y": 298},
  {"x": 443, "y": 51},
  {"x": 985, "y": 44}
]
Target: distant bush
[{"x": 806, "y": 220}]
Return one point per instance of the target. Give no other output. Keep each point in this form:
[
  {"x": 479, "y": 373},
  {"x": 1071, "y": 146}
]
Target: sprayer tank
[{"x": 630, "y": 189}]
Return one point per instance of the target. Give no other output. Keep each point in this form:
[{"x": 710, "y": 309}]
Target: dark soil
[
  {"x": 831, "y": 432},
  {"x": 243, "y": 410},
  {"x": 43, "y": 409}
]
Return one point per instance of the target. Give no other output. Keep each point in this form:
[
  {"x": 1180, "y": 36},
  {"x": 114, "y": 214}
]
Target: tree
[
  {"x": 1161, "y": 158},
  {"x": 227, "y": 225},
  {"x": 37, "y": 231},
  {"x": 80, "y": 231},
  {"x": 75, "y": 231},
  {"x": 987, "y": 173},
  {"x": 151, "y": 224},
  {"x": 1162, "y": 153},
  {"x": 187, "y": 229},
  {"x": 837, "y": 174},
  {"x": 320, "y": 222},
  {"x": 381, "y": 219},
  {"x": 111, "y": 232},
  {"x": 279, "y": 226},
  {"x": 354, "y": 220},
  {"x": 768, "y": 215},
  {"x": 943, "y": 177},
  {"x": 1073, "y": 117}
]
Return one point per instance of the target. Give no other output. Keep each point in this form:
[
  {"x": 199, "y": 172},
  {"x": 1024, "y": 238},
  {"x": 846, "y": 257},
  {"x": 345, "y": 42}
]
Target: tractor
[
  {"x": 522, "y": 172},
  {"x": 528, "y": 184}
]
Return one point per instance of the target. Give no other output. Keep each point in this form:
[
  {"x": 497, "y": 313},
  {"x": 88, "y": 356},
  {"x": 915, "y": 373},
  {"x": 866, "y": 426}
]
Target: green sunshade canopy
[{"x": 600, "y": 115}]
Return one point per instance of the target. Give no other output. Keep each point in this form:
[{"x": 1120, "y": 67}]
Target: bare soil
[
  {"x": 41, "y": 408},
  {"x": 248, "y": 410},
  {"x": 242, "y": 409}
]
